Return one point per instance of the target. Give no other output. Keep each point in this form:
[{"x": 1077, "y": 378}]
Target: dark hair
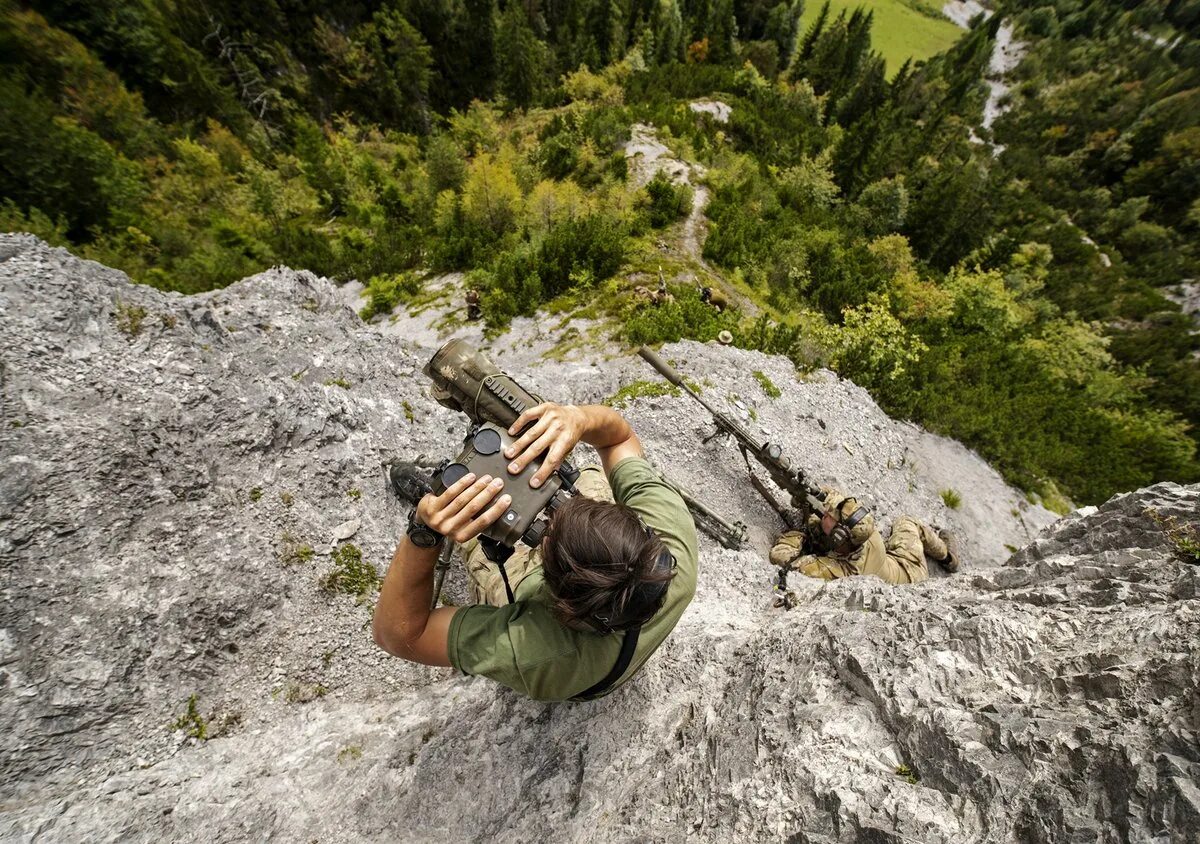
[{"x": 595, "y": 556}]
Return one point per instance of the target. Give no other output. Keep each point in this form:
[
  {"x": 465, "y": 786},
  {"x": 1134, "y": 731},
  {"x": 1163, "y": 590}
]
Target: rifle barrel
[{"x": 723, "y": 420}]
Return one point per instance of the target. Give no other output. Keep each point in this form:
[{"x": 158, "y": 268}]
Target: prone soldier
[
  {"x": 714, "y": 297},
  {"x": 843, "y": 541}
]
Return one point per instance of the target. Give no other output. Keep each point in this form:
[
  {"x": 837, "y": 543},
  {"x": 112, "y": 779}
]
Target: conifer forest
[{"x": 1003, "y": 263}]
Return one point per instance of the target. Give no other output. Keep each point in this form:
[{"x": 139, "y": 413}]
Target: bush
[
  {"x": 588, "y": 249},
  {"x": 384, "y": 292},
  {"x": 666, "y": 201}
]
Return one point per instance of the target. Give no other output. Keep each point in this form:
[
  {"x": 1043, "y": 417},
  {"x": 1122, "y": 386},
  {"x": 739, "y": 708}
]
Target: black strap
[
  {"x": 507, "y": 588},
  {"x": 628, "y": 646},
  {"x": 498, "y": 553}
]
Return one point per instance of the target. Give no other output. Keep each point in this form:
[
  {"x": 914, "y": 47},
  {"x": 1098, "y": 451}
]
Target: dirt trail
[{"x": 647, "y": 156}]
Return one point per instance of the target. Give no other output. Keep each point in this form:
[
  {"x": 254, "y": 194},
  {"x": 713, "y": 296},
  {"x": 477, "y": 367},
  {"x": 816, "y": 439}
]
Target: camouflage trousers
[
  {"x": 484, "y": 582},
  {"x": 902, "y": 559}
]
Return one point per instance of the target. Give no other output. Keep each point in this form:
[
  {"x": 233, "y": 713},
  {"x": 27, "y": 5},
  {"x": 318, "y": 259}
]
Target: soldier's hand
[
  {"x": 466, "y": 508},
  {"x": 555, "y": 430}
]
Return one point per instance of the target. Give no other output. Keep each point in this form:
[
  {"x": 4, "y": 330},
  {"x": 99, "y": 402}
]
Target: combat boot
[
  {"x": 950, "y": 564},
  {"x": 410, "y": 481}
]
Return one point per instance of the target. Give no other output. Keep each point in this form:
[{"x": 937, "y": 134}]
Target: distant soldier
[
  {"x": 473, "y": 309},
  {"x": 725, "y": 337},
  {"x": 715, "y": 298},
  {"x": 843, "y": 541},
  {"x": 662, "y": 295}
]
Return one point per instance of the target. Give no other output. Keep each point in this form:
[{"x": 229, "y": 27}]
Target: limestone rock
[{"x": 166, "y": 500}]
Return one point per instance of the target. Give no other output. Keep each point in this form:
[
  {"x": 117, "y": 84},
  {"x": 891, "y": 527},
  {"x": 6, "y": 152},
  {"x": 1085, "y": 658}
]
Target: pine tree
[
  {"x": 813, "y": 35},
  {"x": 523, "y": 70},
  {"x": 477, "y": 48},
  {"x": 668, "y": 32},
  {"x": 722, "y": 32}
]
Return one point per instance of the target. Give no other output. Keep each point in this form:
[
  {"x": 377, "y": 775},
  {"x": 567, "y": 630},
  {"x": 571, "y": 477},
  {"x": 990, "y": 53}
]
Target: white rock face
[
  {"x": 1047, "y": 696},
  {"x": 719, "y": 111}
]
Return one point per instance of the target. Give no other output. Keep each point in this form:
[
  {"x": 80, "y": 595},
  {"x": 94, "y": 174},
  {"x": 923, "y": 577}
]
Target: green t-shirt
[{"x": 522, "y": 645}]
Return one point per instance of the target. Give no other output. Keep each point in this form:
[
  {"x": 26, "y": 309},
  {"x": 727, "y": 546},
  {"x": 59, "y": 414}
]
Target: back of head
[{"x": 602, "y": 566}]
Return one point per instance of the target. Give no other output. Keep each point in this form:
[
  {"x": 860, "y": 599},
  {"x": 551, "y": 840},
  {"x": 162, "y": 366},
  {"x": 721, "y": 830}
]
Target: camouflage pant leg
[
  {"x": 906, "y": 548},
  {"x": 485, "y": 585},
  {"x": 593, "y": 484}
]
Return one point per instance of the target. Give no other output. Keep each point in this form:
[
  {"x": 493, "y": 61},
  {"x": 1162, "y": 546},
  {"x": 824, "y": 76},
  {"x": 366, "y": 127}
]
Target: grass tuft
[
  {"x": 351, "y": 574},
  {"x": 640, "y": 390},
  {"x": 191, "y": 721},
  {"x": 767, "y": 384}
]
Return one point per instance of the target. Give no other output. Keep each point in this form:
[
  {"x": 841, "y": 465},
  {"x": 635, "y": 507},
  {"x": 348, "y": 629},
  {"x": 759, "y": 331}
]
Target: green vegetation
[
  {"x": 256, "y": 493},
  {"x": 409, "y": 414},
  {"x": 384, "y": 292},
  {"x": 351, "y": 574},
  {"x": 354, "y": 492},
  {"x": 350, "y": 753},
  {"x": 666, "y": 201},
  {"x": 1184, "y": 537},
  {"x": 767, "y": 384},
  {"x": 907, "y": 774},
  {"x": 1009, "y": 300},
  {"x": 293, "y": 552},
  {"x": 287, "y": 498},
  {"x": 951, "y": 498},
  {"x": 191, "y": 721},
  {"x": 129, "y": 318},
  {"x": 304, "y": 692},
  {"x": 640, "y": 390},
  {"x": 687, "y": 316},
  {"x": 337, "y": 382}
]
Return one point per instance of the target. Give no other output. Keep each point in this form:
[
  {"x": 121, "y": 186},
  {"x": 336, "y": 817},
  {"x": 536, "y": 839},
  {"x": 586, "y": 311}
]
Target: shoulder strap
[{"x": 628, "y": 646}]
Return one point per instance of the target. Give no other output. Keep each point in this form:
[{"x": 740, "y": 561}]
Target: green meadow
[{"x": 903, "y": 28}]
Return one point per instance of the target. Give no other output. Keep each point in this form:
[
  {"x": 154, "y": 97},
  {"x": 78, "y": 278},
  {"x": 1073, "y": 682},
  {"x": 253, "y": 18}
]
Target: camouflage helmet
[{"x": 843, "y": 509}]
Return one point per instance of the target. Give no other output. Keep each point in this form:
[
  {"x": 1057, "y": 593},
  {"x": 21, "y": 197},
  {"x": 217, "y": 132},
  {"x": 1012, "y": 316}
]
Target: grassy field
[{"x": 902, "y": 28}]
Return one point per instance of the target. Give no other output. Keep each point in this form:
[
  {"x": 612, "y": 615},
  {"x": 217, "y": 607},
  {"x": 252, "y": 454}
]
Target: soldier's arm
[
  {"x": 403, "y": 624},
  {"x": 556, "y": 429}
]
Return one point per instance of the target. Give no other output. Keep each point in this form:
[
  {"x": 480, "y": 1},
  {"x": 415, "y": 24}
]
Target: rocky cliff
[{"x": 179, "y": 475}]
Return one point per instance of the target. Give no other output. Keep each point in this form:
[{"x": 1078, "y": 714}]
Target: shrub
[
  {"x": 666, "y": 201},
  {"x": 640, "y": 390},
  {"x": 591, "y": 248},
  {"x": 386, "y": 291},
  {"x": 951, "y": 498},
  {"x": 767, "y": 384}
]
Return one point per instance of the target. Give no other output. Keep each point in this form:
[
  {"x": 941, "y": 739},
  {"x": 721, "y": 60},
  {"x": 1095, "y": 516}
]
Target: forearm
[
  {"x": 404, "y": 625},
  {"x": 603, "y": 426},
  {"x": 611, "y": 436}
]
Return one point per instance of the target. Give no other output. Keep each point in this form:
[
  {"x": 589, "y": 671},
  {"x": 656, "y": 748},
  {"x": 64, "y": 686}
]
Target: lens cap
[
  {"x": 487, "y": 441},
  {"x": 452, "y": 474}
]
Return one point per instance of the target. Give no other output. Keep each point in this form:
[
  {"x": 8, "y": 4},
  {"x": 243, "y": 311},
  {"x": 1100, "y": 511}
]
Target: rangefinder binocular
[{"x": 467, "y": 381}]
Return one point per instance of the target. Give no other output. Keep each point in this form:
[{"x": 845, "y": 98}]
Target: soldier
[
  {"x": 473, "y": 310},
  {"x": 575, "y": 617},
  {"x": 843, "y": 541},
  {"x": 715, "y": 298},
  {"x": 662, "y": 295}
]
